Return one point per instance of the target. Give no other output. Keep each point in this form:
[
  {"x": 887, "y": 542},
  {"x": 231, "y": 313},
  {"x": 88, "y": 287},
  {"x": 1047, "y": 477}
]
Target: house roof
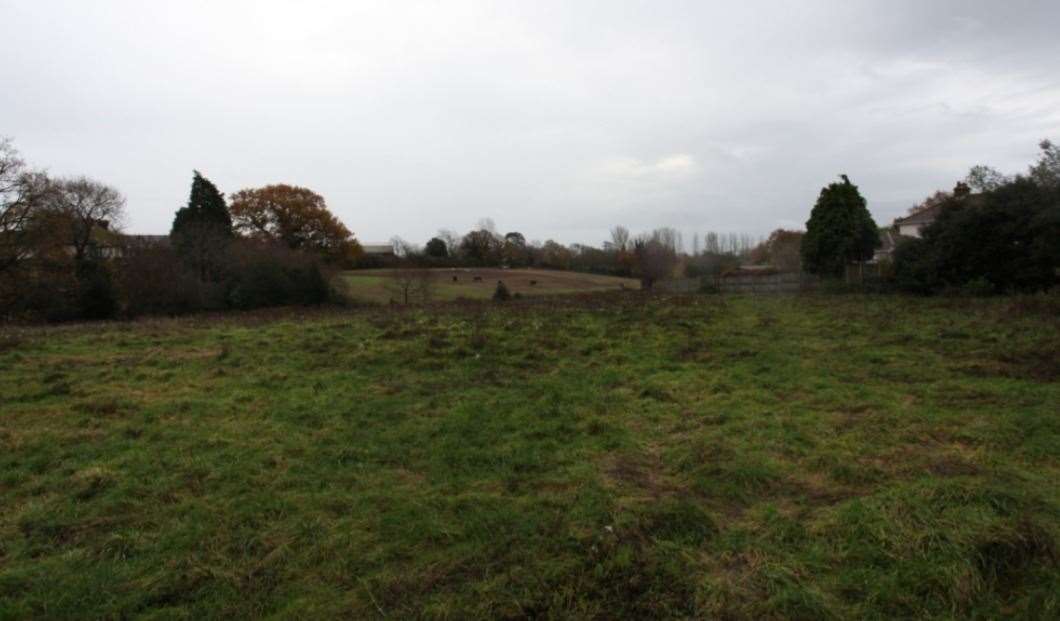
[
  {"x": 751, "y": 270},
  {"x": 378, "y": 248},
  {"x": 154, "y": 240},
  {"x": 924, "y": 216}
]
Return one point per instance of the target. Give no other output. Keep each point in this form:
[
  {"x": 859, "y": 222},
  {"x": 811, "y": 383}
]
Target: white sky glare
[{"x": 556, "y": 119}]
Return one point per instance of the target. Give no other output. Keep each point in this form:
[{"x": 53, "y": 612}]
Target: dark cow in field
[{"x": 477, "y": 279}]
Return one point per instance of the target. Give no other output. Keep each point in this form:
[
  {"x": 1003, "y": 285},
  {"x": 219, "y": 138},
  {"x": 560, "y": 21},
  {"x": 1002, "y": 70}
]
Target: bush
[
  {"x": 259, "y": 284},
  {"x": 96, "y": 296},
  {"x": 501, "y": 293},
  {"x": 150, "y": 278},
  {"x": 978, "y": 287},
  {"x": 711, "y": 265},
  {"x": 52, "y": 288},
  {"x": 47, "y": 291},
  {"x": 152, "y": 281},
  {"x": 915, "y": 267},
  {"x": 268, "y": 275},
  {"x": 999, "y": 241},
  {"x": 708, "y": 284}
]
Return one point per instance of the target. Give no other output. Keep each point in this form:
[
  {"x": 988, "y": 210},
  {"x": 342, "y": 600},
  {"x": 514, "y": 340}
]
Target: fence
[
  {"x": 680, "y": 285},
  {"x": 786, "y": 282},
  {"x": 867, "y": 273},
  {"x": 743, "y": 282}
]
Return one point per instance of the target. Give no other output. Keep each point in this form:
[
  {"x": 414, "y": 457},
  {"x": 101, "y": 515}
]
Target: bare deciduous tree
[
  {"x": 403, "y": 248},
  {"x": 451, "y": 239},
  {"x": 88, "y": 206},
  {"x": 620, "y": 238},
  {"x": 655, "y": 260},
  {"x": 410, "y": 285},
  {"x": 21, "y": 195}
]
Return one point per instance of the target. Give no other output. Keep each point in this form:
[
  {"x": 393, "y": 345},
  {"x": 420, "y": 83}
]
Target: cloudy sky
[{"x": 557, "y": 119}]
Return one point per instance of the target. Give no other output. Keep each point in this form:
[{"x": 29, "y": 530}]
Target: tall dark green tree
[
  {"x": 840, "y": 230},
  {"x": 203, "y": 229},
  {"x": 436, "y": 248}
]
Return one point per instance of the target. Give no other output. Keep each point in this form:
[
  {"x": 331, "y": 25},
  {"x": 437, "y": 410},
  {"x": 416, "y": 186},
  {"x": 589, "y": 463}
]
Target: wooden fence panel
[
  {"x": 767, "y": 283},
  {"x": 745, "y": 283}
]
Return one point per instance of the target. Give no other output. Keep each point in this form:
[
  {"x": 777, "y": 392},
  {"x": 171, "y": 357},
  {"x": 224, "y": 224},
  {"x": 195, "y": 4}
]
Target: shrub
[
  {"x": 999, "y": 241},
  {"x": 46, "y": 292},
  {"x": 96, "y": 296},
  {"x": 312, "y": 286},
  {"x": 501, "y": 293},
  {"x": 978, "y": 287},
  {"x": 151, "y": 280},
  {"x": 258, "y": 284},
  {"x": 264, "y": 275},
  {"x": 915, "y": 268},
  {"x": 708, "y": 284}
]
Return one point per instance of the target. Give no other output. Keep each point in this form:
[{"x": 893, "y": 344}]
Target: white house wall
[{"x": 909, "y": 230}]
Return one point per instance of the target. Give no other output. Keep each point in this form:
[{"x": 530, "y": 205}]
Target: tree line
[
  {"x": 651, "y": 255},
  {"x": 64, "y": 256},
  {"x": 993, "y": 233}
]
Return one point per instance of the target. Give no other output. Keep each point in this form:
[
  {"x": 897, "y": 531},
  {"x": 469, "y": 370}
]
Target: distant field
[
  {"x": 370, "y": 285},
  {"x": 591, "y": 457}
]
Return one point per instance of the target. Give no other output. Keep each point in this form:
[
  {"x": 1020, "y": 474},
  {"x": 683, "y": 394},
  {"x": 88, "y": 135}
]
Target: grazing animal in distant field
[
  {"x": 533, "y": 282},
  {"x": 455, "y": 279},
  {"x": 477, "y": 279}
]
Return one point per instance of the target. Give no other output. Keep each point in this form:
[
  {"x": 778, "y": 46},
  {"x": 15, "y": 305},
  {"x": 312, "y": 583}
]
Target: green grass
[{"x": 607, "y": 457}]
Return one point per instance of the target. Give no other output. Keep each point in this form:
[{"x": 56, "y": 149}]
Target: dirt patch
[
  {"x": 952, "y": 466},
  {"x": 104, "y": 406},
  {"x": 642, "y": 473}
]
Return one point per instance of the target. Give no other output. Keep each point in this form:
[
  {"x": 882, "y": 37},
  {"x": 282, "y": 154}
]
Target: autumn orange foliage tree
[
  {"x": 295, "y": 217},
  {"x": 781, "y": 251}
]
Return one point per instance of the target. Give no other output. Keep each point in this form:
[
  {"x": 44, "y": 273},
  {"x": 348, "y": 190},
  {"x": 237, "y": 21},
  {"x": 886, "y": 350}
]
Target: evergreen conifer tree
[
  {"x": 840, "y": 230},
  {"x": 202, "y": 229}
]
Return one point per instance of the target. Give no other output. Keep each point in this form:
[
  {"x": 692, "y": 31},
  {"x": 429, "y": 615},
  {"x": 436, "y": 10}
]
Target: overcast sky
[{"x": 556, "y": 119}]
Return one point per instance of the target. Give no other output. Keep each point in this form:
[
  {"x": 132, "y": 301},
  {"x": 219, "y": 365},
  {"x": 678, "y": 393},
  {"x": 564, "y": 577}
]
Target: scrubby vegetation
[
  {"x": 600, "y": 457},
  {"x": 63, "y": 256},
  {"x": 1000, "y": 241},
  {"x": 993, "y": 234}
]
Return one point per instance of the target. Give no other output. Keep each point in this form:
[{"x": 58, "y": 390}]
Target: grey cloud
[{"x": 558, "y": 119}]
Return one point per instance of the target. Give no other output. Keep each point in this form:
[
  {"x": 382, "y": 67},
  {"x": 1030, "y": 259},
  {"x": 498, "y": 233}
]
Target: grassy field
[
  {"x": 371, "y": 285},
  {"x": 600, "y": 457}
]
